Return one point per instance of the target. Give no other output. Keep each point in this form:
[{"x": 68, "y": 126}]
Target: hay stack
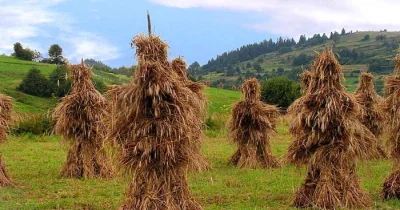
[
  {"x": 371, "y": 113},
  {"x": 297, "y": 152},
  {"x": 154, "y": 128},
  {"x": 251, "y": 127},
  {"x": 79, "y": 120},
  {"x": 391, "y": 185},
  {"x": 178, "y": 65},
  {"x": 6, "y": 109},
  {"x": 335, "y": 139}
]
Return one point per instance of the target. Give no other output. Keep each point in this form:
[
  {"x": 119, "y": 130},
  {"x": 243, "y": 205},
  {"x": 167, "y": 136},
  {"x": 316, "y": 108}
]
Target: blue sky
[{"x": 198, "y": 30}]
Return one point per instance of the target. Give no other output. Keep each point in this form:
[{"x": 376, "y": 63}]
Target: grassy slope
[
  {"x": 34, "y": 162},
  {"x": 12, "y": 71},
  {"x": 351, "y": 41}
]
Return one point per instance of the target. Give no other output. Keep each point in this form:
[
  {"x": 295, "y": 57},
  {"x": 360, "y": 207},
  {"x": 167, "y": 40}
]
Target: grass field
[{"x": 34, "y": 163}]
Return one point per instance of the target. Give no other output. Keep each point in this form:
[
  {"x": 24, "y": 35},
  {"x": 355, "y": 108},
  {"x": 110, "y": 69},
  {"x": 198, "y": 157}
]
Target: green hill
[
  {"x": 12, "y": 72},
  {"x": 353, "y": 50}
]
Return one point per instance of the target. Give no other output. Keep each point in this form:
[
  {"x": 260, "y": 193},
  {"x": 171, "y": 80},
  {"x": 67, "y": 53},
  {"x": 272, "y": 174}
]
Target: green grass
[
  {"x": 13, "y": 70},
  {"x": 34, "y": 163}
]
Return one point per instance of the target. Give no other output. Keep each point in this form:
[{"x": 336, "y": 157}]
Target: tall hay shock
[
  {"x": 154, "y": 128},
  {"x": 251, "y": 127},
  {"x": 6, "y": 110},
  {"x": 178, "y": 65},
  {"x": 78, "y": 119},
  {"x": 391, "y": 185},
  {"x": 335, "y": 138},
  {"x": 371, "y": 113},
  {"x": 297, "y": 152}
]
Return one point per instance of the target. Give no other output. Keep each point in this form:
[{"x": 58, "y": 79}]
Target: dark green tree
[
  {"x": 61, "y": 85},
  {"x": 36, "y": 84},
  {"x": 280, "y": 91},
  {"x": 343, "y": 32},
  {"x": 55, "y": 53},
  {"x": 18, "y": 50}
]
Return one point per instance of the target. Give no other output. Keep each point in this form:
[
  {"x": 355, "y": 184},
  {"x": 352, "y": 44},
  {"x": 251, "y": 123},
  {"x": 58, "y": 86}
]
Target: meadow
[{"x": 34, "y": 163}]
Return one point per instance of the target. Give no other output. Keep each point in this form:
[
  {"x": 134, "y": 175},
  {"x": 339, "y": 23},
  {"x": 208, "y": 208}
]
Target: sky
[{"x": 198, "y": 30}]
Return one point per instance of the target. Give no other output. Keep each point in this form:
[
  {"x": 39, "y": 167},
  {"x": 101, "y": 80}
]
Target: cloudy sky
[{"x": 195, "y": 29}]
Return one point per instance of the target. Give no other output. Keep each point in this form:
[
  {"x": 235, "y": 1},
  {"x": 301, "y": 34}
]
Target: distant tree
[
  {"x": 257, "y": 67},
  {"x": 280, "y": 91},
  {"x": 366, "y": 38},
  {"x": 302, "y": 40},
  {"x": 37, "y": 56},
  {"x": 380, "y": 37},
  {"x": 343, "y": 32},
  {"x": 248, "y": 65},
  {"x": 18, "y": 50},
  {"x": 331, "y": 36},
  {"x": 36, "y": 84},
  {"x": 336, "y": 37},
  {"x": 61, "y": 85},
  {"x": 249, "y": 74},
  {"x": 199, "y": 78},
  {"x": 280, "y": 71},
  {"x": 239, "y": 80},
  {"x": 237, "y": 69},
  {"x": 55, "y": 53},
  {"x": 194, "y": 68},
  {"x": 230, "y": 71}
]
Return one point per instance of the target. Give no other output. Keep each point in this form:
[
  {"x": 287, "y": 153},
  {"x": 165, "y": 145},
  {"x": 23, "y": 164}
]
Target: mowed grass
[{"x": 34, "y": 163}]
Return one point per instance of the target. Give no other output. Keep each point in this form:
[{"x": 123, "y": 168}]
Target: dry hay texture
[
  {"x": 297, "y": 152},
  {"x": 78, "y": 119},
  {"x": 178, "y": 65},
  {"x": 251, "y": 127},
  {"x": 371, "y": 114},
  {"x": 155, "y": 127},
  {"x": 6, "y": 112},
  {"x": 391, "y": 185},
  {"x": 328, "y": 127}
]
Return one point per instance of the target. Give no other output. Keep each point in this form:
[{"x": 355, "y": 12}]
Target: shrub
[
  {"x": 60, "y": 84},
  {"x": 34, "y": 124},
  {"x": 280, "y": 91},
  {"x": 36, "y": 84}
]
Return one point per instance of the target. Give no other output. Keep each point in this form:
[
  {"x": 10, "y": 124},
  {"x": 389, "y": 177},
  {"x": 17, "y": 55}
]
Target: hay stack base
[
  {"x": 156, "y": 128},
  {"x": 79, "y": 119},
  {"x": 198, "y": 161},
  {"x": 251, "y": 127},
  {"x": 6, "y": 111},
  {"x": 331, "y": 139},
  {"x": 4, "y": 178},
  {"x": 391, "y": 186}
]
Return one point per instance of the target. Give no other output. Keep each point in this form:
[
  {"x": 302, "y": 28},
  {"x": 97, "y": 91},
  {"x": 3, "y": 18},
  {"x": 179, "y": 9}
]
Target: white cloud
[
  {"x": 88, "y": 45},
  {"x": 28, "y": 21},
  {"x": 294, "y": 17}
]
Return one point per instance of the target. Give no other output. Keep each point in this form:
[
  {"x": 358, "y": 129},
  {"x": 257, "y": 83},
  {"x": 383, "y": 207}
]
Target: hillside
[
  {"x": 13, "y": 70},
  {"x": 353, "y": 50}
]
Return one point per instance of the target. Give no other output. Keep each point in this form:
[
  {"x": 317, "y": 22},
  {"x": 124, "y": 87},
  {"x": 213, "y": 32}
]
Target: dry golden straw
[
  {"x": 371, "y": 114},
  {"x": 251, "y": 127},
  {"x": 391, "y": 185},
  {"x": 178, "y": 65},
  {"x": 154, "y": 127},
  {"x": 297, "y": 152},
  {"x": 79, "y": 120},
  {"x": 334, "y": 138},
  {"x": 6, "y": 110}
]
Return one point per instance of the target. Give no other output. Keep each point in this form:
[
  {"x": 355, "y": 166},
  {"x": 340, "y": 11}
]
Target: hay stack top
[
  {"x": 327, "y": 72},
  {"x": 179, "y": 66},
  {"x": 366, "y": 91},
  {"x": 80, "y": 77},
  {"x": 251, "y": 90},
  {"x": 150, "y": 48}
]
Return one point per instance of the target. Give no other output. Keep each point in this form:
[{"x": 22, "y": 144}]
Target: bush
[
  {"x": 37, "y": 124},
  {"x": 280, "y": 91},
  {"x": 60, "y": 84},
  {"x": 36, "y": 84}
]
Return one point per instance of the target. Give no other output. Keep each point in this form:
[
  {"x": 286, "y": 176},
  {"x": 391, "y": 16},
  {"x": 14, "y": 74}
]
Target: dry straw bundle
[
  {"x": 297, "y": 152},
  {"x": 79, "y": 120},
  {"x": 6, "y": 110},
  {"x": 251, "y": 127},
  {"x": 391, "y": 185},
  {"x": 371, "y": 113},
  {"x": 331, "y": 133},
  {"x": 178, "y": 65},
  {"x": 154, "y": 127}
]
